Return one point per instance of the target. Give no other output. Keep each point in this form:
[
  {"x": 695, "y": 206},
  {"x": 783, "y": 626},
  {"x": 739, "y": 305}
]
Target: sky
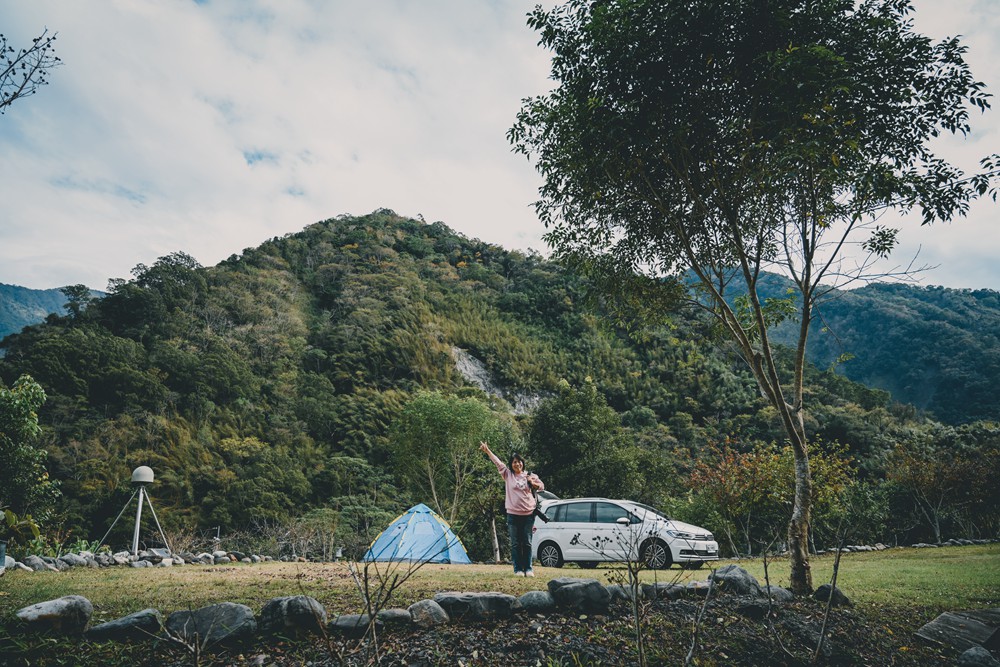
[{"x": 210, "y": 127}]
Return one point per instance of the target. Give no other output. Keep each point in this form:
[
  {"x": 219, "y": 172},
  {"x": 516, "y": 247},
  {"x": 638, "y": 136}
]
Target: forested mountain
[
  {"x": 935, "y": 348},
  {"x": 267, "y": 387},
  {"x": 21, "y": 306}
]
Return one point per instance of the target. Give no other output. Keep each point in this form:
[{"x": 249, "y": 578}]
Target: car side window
[
  {"x": 579, "y": 512},
  {"x": 610, "y": 513},
  {"x": 557, "y": 513}
]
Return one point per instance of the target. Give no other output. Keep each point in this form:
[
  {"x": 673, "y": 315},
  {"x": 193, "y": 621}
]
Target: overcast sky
[{"x": 210, "y": 127}]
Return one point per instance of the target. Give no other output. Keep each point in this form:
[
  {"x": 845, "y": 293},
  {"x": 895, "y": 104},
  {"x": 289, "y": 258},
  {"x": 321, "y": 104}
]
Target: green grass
[{"x": 931, "y": 580}]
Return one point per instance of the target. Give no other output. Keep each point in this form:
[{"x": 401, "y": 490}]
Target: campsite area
[{"x": 894, "y": 592}]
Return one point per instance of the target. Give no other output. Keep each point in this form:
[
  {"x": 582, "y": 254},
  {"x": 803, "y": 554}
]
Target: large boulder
[
  {"x": 824, "y": 592},
  {"x": 140, "y": 626},
  {"x": 395, "y": 617},
  {"x": 292, "y": 614},
  {"x": 37, "y": 564},
  {"x": 224, "y": 622},
  {"x": 777, "y": 593},
  {"x": 67, "y": 615},
  {"x": 353, "y": 625},
  {"x": 663, "y": 590},
  {"x": 537, "y": 602},
  {"x": 580, "y": 595},
  {"x": 478, "y": 606},
  {"x": 427, "y": 614},
  {"x": 734, "y": 579},
  {"x": 73, "y": 560}
]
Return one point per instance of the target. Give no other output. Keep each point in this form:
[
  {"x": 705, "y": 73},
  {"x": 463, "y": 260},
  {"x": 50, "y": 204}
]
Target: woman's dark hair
[{"x": 516, "y": 457}]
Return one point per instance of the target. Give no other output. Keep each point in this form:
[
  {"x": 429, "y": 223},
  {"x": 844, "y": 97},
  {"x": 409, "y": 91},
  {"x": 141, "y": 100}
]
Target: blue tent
[{"x": 418, "y": 535}]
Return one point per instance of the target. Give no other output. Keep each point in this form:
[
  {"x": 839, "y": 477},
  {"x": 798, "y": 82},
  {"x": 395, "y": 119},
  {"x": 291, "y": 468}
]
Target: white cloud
[{"x": 210, "y": 127}]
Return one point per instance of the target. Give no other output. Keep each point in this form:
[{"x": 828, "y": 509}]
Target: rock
[
  {"x": 839, "y": 599},
  {"x": 166, "y": 562},
  {"x": 537, "y": 602},
  {"x": 478, "y": 606},
  {"x": 35, "y": 563},
  {"x": 73, "y": 560},
  {"x": 734, "y": 579},
  {"x": 394, "y": 617},
  {"x": 292, "y": 614},
  {"x": 586, "y": 596},
  {"x": 67, "y": 615},
  {"x": 977, "y": 656},
  {"x": 353, "y": 625},
  {"x": 778, "y": 594},
  {"x": 140, "y": 563},
  {"x": 699, "y": 588},
  {"x": 622, "y": 593},
  {"x": 662, "y": 590},
  {"x": 140, "y": 626},
  {"x": 427, "y": 614},
  {"x": 223, "y": 622}
]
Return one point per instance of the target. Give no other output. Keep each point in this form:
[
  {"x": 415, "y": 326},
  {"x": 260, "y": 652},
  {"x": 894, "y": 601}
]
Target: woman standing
[{"x": 519, "y": 500}]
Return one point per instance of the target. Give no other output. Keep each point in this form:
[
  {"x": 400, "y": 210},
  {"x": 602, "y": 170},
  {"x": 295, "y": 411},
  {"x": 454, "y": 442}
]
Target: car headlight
[{"x": 680, "y": 535}]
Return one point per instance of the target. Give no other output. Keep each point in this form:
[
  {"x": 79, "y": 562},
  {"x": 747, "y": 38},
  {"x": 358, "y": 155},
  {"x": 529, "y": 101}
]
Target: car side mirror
[{"x": 623, "y": 521}]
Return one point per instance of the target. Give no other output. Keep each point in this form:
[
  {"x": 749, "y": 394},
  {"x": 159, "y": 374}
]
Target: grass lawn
[
  {"x": 931, "y": 579},
  {"x": 897, "y": 591}
]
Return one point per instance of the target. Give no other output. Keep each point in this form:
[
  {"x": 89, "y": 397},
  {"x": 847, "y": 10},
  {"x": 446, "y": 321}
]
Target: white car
[{"x": 588, "y": 531}]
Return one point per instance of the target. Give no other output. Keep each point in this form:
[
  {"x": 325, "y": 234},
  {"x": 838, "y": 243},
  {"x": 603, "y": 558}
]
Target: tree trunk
[
  {"x": 800, "y": 578},
  {"x": 496, "y": 542}
]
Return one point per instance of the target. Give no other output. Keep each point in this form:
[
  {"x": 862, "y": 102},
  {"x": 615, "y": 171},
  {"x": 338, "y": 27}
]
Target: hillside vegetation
[{"x": 266, "y": 389}]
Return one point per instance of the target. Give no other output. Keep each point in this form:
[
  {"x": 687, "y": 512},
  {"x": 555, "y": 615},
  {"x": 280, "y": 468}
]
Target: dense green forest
[{"x": 281, "y": 387}]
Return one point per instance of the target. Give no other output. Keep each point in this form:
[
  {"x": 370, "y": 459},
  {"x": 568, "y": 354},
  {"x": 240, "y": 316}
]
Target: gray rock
[
  {"x": 734, "y": 579},
  {"x": 67, "y": 615},
  {"x": 427, "y": 614},
  {"x": 140, "y": 563},
  {"x": 700, "y": 588},
  {"x": 352, "y": 625},
  {"x": 8, "y": 561},
  {"x": 140, "y": 626},
  {"x": 587, "y": 596},
  {"x": 223, "y": 622},
  {"x": 839, "y": 599},
  {"x": 478, "y": 606},
  {"x": 778, "y": 594},
  {"x": 977, "y": 656},
  {"x": 622, "y": 593},
  {"x": 73, "y": 560},
  {"x": 538, "y": 602},
  {"x": 36, "y": 563},
  {"x": 292, "y": 614},
  {"x": 662, "y": 590},
  {"x": 395, "y": 617},
  {"x": 166, "y": 562}
]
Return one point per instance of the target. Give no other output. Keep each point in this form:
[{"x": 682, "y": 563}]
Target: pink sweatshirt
[{"x": 518, "y": 498}]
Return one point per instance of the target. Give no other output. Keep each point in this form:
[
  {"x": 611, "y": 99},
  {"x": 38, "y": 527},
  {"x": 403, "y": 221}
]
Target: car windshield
[{"x": 653, "y": 510}]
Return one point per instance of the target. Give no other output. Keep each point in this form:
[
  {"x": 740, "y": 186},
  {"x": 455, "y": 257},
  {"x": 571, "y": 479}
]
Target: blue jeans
[{"x": 519, "y": 528}]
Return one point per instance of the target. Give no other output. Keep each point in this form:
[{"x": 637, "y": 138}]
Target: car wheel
[
  {"x": 692, "y": 564},
  {"x": 588, "y": 564},
  {"x": 656, "y": 555},
  {"x": 549, "y": 555}
]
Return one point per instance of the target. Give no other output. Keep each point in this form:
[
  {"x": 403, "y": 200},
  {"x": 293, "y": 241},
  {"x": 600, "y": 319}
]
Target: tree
[
  {"x": 23, "y": 71},
  {"x": 434, "y": 447},
  {"x": 577, "y": 442},
  {"x": 715, "y": 141},
  {"x": 25, "y": 486}
]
